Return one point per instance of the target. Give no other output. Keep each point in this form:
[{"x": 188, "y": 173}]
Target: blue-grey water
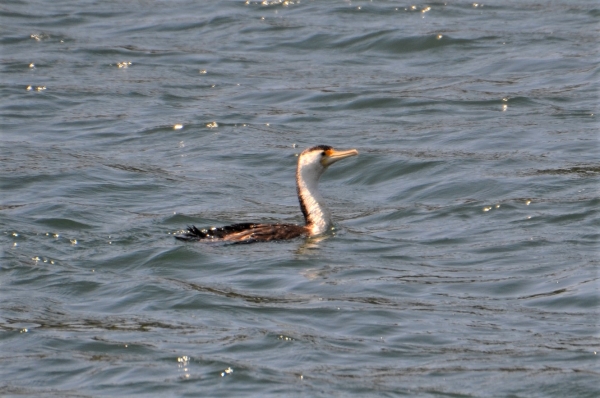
[{"x": 466, "y": 256}]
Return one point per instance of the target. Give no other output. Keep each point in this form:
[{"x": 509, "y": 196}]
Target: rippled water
[{"x": 466, "y": 257}]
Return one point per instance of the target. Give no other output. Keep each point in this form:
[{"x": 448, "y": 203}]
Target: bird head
[{"x": 315, "y": 160}]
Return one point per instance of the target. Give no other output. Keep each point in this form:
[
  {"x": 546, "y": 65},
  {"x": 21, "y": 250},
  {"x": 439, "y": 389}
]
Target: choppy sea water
[{"x": 465, "y": 261}]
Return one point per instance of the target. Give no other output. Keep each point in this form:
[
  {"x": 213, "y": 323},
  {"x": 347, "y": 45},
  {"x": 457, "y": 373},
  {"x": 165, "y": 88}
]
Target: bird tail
[{"x": 192, "y": 233}]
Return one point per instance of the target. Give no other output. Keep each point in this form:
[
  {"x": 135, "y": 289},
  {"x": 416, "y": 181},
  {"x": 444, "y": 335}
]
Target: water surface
[{"x": 465, "y": 259}]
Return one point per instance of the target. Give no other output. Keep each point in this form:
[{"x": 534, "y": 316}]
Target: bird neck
[{"x": 316, "y": 213}]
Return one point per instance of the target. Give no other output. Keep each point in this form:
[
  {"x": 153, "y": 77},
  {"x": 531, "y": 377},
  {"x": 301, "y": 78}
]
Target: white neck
[{"x": 316, "y": 213}]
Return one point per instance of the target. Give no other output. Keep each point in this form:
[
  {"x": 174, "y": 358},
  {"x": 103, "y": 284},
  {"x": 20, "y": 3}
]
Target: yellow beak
[{"x": 332, "y": 156}]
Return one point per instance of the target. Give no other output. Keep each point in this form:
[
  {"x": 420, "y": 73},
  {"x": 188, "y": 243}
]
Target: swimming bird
[{"x": 312, "y": 163}]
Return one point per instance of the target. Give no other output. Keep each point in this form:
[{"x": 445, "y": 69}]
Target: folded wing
[{"x": 245, "y": 233}]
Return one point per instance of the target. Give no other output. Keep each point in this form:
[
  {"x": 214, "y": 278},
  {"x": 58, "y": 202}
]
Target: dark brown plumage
[{"x": 245, "y": 233}]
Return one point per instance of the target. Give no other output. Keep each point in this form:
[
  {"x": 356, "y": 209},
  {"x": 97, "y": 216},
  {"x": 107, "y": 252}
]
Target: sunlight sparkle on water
[
  {"x": 183, "y": 363},
  {"x": 226, "y": 372}
]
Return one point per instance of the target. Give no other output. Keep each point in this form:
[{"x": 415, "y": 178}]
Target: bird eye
[{"x": 323, "y": 153}]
